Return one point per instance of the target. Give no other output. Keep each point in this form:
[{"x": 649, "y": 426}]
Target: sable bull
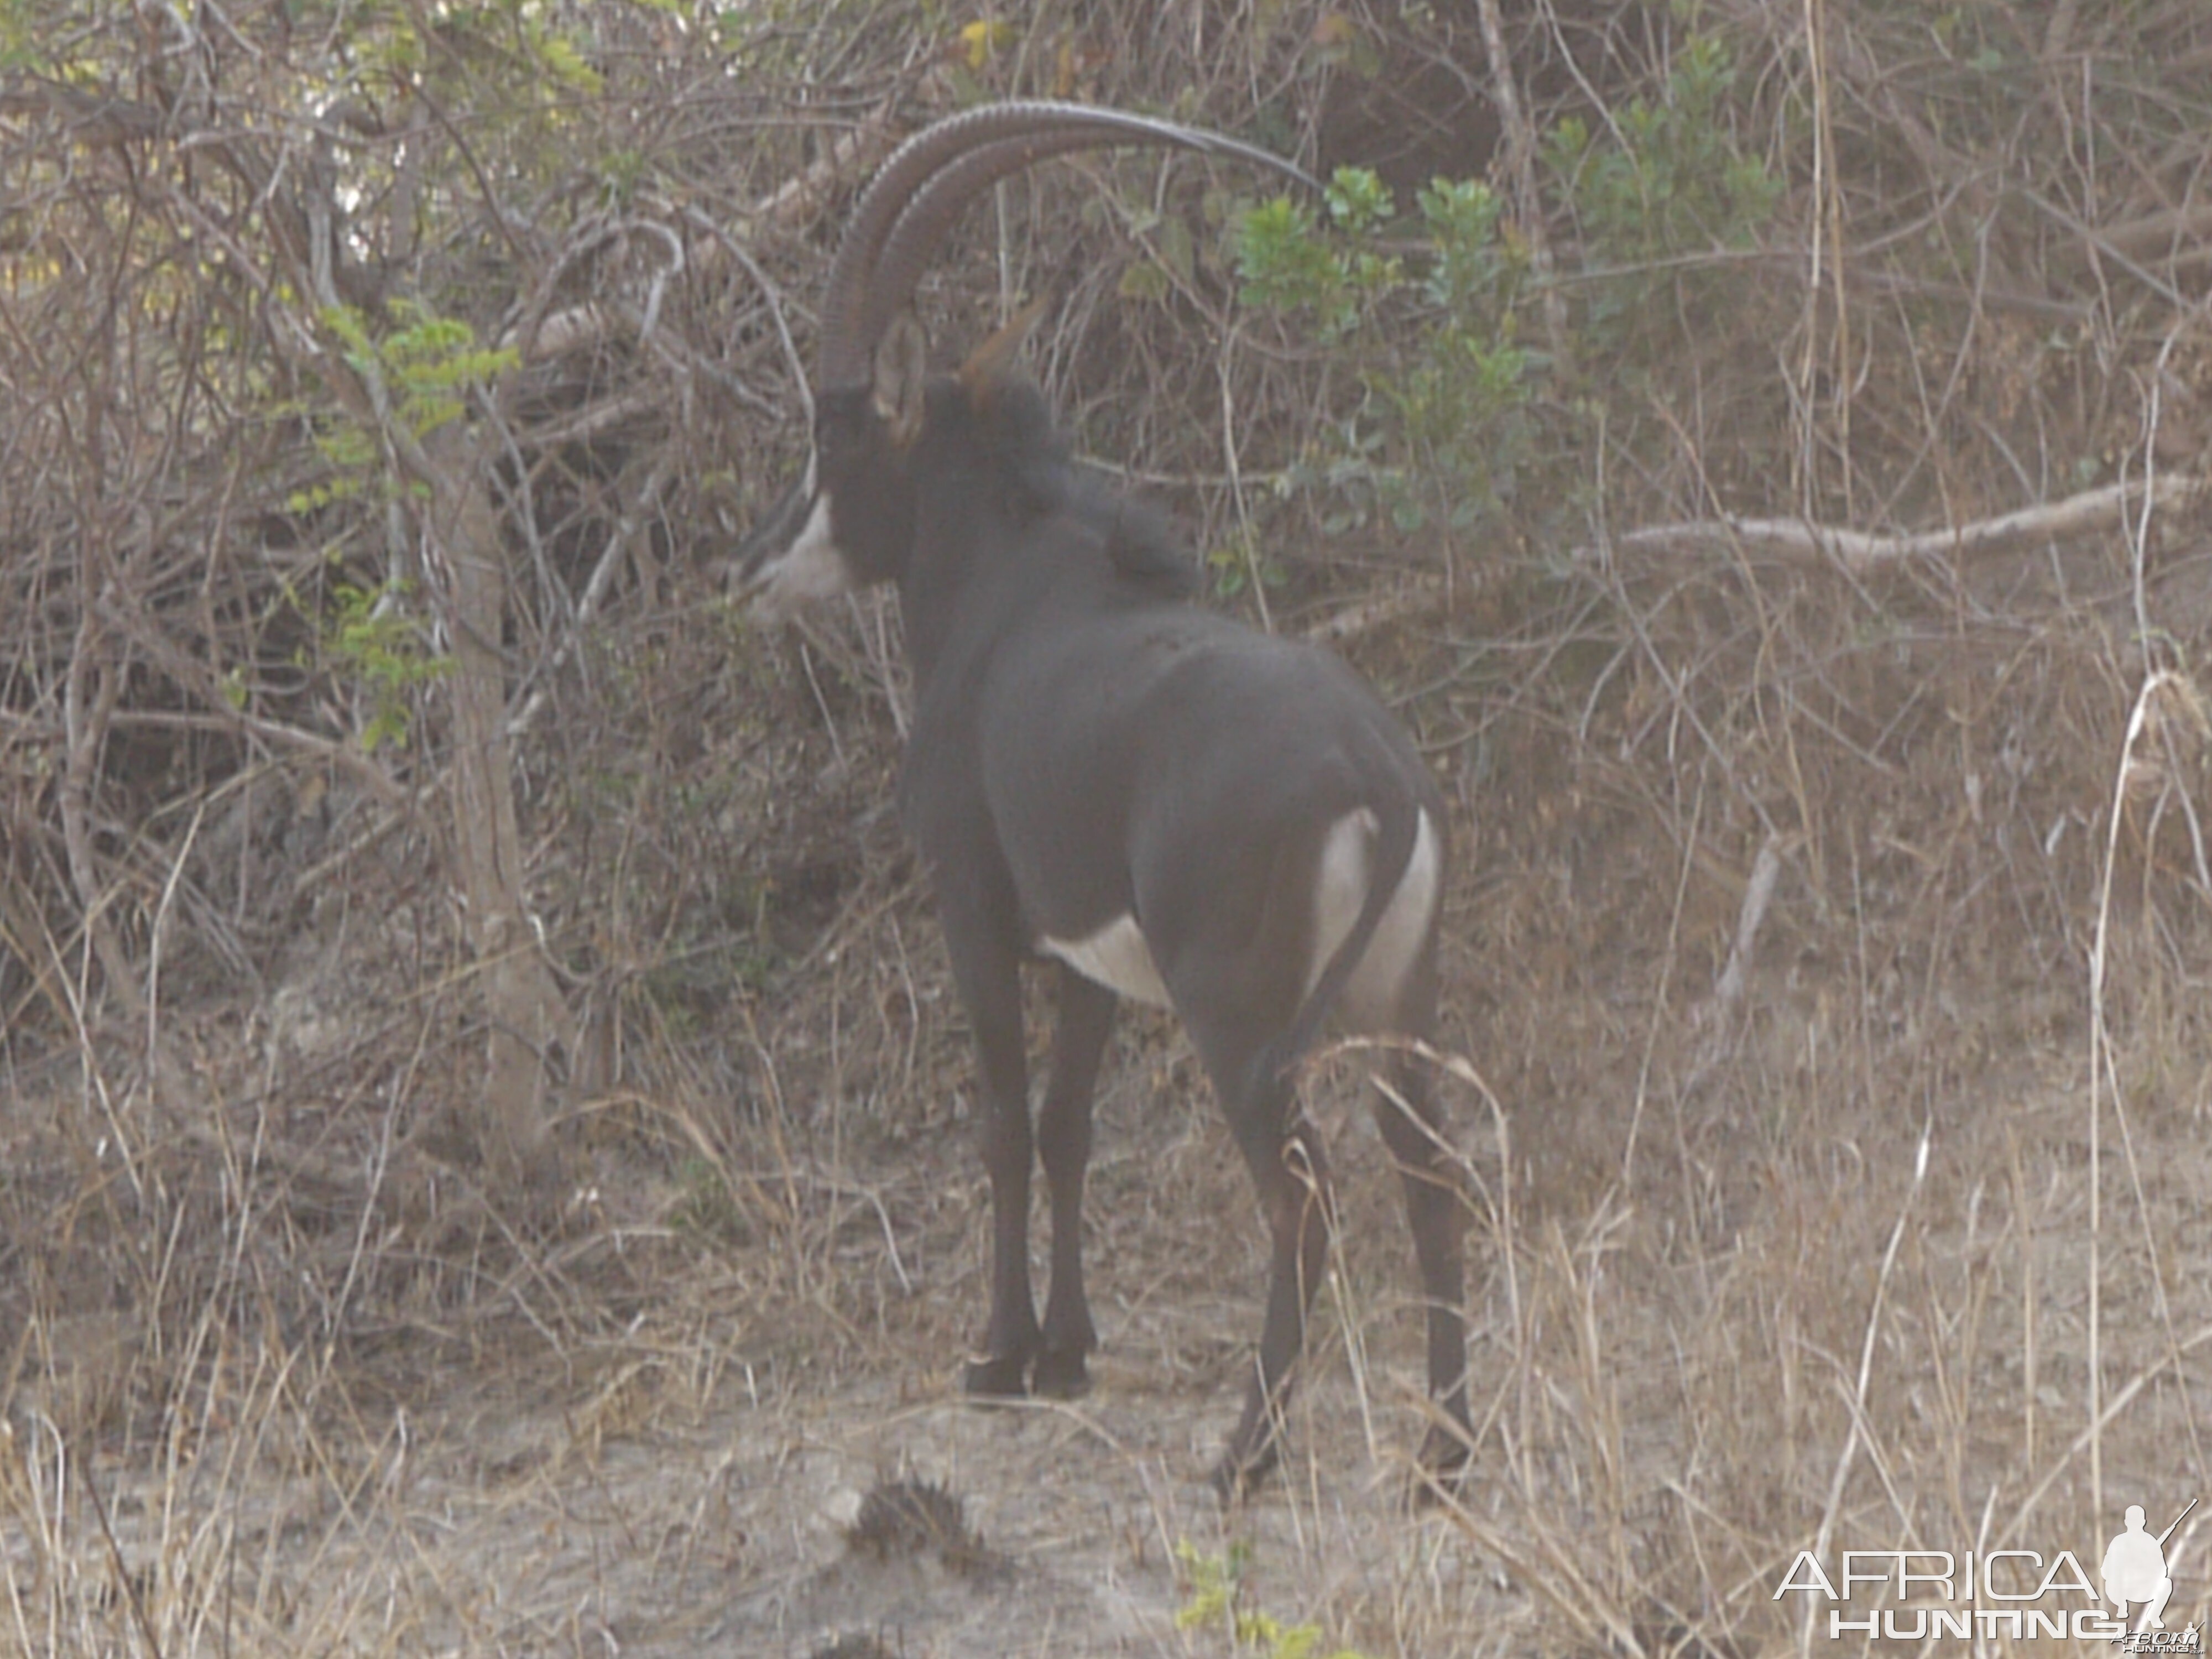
[{"x": 1177, "y": 808}]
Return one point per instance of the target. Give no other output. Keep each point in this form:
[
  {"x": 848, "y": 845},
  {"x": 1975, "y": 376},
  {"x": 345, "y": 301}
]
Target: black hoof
[
  {"x": 1440, "y": 1470},
  {"x": 1237, "y": 1478},
  {"x": 1063, "y": 1376},
  {"x": 994, "y": 1379},
  {"x": 1435, "y": 1489}
]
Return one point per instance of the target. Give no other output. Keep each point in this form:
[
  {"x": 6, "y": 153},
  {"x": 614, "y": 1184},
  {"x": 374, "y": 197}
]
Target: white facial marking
[
  {"x": 810, "y": 569},
  {"x": 1116, "y": 957}
]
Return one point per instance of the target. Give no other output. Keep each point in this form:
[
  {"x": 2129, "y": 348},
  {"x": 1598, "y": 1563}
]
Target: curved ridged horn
[
  {"x": 915, "y": 196},
  {"x": 914, "y": 238}
]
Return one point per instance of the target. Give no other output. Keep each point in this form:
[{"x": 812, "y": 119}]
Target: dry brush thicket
[{"x": 484, "y": 1140}]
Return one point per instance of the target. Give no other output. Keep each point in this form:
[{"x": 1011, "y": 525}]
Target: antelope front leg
[
  {"x": 990, "y": 985},
  {"x": 1086, "y": 1020}
]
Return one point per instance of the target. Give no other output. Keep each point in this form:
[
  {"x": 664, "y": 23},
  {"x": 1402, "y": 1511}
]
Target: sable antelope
[{"x": 1177, "y": 808}]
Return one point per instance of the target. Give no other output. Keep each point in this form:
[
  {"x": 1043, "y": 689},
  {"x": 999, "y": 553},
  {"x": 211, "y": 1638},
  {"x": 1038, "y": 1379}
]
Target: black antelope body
[{"x": 1176, "y": 807}]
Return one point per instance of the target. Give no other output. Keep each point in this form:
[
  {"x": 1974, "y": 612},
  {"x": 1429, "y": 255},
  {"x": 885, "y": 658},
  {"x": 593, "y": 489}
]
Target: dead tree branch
[{"x": 1860, "y": 551}]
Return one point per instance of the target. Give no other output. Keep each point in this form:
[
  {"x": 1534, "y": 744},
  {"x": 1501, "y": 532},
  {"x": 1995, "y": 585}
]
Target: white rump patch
[
  {"x": 810, "y": 569},
  {"x": 1116, "y": 957},
  {"x": 1340, "y": 888}
]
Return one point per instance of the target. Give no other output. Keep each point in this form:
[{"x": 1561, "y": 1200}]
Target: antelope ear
[
  {"x": 988, "y": 364},
  {"x": 902, "y": 376}
]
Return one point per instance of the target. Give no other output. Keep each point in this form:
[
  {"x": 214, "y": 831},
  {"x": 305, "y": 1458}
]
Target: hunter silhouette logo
[
  {"x": 2135, "y": 1568},
  {"x": 1917, "y": 1594}
]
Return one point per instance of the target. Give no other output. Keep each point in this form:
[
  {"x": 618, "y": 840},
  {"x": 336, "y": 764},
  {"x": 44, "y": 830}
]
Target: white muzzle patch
[{"x": 809, "y": 569}]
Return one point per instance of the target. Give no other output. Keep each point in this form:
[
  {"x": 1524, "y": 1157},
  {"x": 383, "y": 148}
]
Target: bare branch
[
  {"x": 787, "y": 207},
  {"x": 1859, "y": 551}
]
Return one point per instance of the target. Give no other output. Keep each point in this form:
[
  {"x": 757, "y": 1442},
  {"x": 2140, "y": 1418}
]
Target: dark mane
[{"x": 1142, "y": 542}]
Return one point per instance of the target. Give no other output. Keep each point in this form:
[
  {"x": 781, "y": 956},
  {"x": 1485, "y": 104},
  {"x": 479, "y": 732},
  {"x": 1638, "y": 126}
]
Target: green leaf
[
  {"x": 1174, "y": 246},
  {"x": 1144, "y": 281}
]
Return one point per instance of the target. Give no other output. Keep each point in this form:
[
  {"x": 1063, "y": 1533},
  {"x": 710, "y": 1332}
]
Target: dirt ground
[
  {"x": 1802, "y": 1256},
  {"x": 1825, "y": 954}
]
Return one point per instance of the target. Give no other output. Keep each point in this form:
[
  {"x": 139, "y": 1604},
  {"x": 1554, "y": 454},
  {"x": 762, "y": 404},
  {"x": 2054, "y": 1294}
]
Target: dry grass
[
  {"x": 1834, "y": 945},
  {"x": 1818, "y": 1268}
]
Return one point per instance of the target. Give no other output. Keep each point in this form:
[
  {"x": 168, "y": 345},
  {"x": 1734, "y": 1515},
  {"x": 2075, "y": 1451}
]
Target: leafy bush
[
  {"x": 1432, "y": 316},
  {"x": 1217, "y": 1591},
  {"x": 1660, "y": 181},
  {"x": 372, "y": 639},
  {"x": 1433, "y": 329}
]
